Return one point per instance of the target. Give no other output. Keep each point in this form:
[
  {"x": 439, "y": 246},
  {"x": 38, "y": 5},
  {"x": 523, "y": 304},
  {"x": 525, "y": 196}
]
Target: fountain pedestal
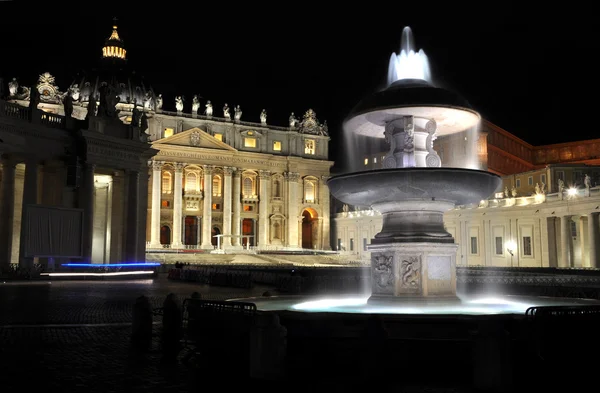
[{"x": 412, "y": 270}]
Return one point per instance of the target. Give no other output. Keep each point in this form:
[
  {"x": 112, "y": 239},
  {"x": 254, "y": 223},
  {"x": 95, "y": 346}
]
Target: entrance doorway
[
  {"x": 309, "y": 220},
  {"x": 165, "y": 235},
  {"x": 248, "y": 229},
  {"x": 190, "y": 236}
]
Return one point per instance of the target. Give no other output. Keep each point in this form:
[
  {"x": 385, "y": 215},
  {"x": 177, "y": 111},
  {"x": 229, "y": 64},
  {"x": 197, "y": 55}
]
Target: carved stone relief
[
  {"x": 410, "y": 274},
  {"x": 383, "y": 273}
]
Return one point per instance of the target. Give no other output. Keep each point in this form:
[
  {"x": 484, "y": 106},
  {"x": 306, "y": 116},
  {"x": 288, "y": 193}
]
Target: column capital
[
  {"x": 178, "y": 166},
  {"x": 292, "y": 176},
  {"x": 264, "y": 174},
  {"x": 237, "y": 172},
  {"x": 208, "y": 169},
  {"x": 324, "y": 178},
  {"x": 155, "y": 165},
  {"x": 227, "y": 170}
]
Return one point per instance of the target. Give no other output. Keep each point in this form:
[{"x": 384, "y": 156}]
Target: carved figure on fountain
[{"x": 383, "y": 273}]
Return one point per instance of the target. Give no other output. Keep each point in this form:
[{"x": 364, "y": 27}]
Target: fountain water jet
[{"x": 413, "y": 256}]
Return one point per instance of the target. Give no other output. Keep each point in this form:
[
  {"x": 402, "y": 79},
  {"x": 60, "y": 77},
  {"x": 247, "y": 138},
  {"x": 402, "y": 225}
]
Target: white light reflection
[
  {"x": 324, "y": 304},
  {"x": 133, "y": 273}
]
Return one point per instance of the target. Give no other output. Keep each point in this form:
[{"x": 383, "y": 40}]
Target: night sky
[{"x": 531, "y": 71}]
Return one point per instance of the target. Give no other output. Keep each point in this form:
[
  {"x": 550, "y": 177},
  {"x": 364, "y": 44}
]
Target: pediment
[{"x": 195, "y": 137}]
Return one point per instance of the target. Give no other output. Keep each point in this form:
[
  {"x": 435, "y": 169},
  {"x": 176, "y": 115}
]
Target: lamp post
[{"x": 511, "y": 247}]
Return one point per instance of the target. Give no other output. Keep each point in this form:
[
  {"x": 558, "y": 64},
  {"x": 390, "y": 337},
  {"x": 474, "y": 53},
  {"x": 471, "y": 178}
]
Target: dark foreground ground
[{"x": 74, "y": 336}]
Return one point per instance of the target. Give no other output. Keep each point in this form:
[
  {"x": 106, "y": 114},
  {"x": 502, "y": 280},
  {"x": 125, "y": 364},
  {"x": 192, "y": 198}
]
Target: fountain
[{"x": 413, "y": 256}]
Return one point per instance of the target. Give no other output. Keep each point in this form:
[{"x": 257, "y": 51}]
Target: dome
[{"x": 114, "y": 70}]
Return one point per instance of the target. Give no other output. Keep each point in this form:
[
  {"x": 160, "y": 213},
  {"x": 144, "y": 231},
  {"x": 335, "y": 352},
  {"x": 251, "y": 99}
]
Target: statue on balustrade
[
  {"x": 561, "y": 186},
  {"x": 91, "y": 108},
  {"x": 68, "y": 105},
  {"x": 506, "y": 193},
  {"x": 293, "y": 120},
  {"x": 538, "y": 190},
  {"x": 587, "y": 181},
  {"x": 209, "y": 109},
  {"x": 144, "y": 125},
  {"x": 514, "y": 192},
  {"x": 226, "y": 113},
  {"x": 238, "y": 113},
  {"x": 135, "y": 115},
  {"x": 263, "y": 117},
  {"x": 148, "y": 101},
  {"x": 195, "y": 105},
  {"x": 159, "y": 102},
  {"x": 74, "y": 92},
  {"x": 179, "y": 103},
  {"x": 543, "y": 188},
  {"x": 13, "y": 87},
  {"x": 34, "y": 98}
]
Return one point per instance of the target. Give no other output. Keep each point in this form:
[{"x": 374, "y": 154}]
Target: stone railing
[
  {"x": 52, "y": 120},
  {"x": 16, "y": 111},
  {"x": 36, "y": 116},
  {"x": 224, "y": 120}
]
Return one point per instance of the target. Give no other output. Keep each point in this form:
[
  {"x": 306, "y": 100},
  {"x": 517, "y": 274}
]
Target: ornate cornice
[
  {"x": 240, "y": 161},
  {"x": 264, "y": 174},
  {"x": 292, "y": 176}
]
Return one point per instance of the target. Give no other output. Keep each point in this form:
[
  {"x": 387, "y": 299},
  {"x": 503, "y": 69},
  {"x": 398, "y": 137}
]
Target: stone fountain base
[{"x": 409, "y": 271}]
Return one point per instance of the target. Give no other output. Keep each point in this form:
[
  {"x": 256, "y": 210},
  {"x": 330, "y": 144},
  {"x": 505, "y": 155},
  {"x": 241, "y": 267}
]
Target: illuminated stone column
[
  {"x": 177, "y": 205},
  {"x": 593, "y": 239},
  {"x": 132, "y": 225},
  {"x": 226, "y": 240},
  {"x": 86, "y": 201},
  {"x": 583, "y": 241},
  {"x": 324, "y": 201},
  {"x": 156, "y": 197},
  {"x": 565, "y": 241},
  {"x": 7, "y": 210},
  {"x": 207, "y": 212},
  {"x": 237, "y": 206},
  {"x": 292, "y": 219},
  {"x": 263, "y": 209}
]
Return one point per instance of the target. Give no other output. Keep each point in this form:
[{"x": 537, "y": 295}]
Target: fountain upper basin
[
  {"x": 411, "y": 97},
  {"x": 379, "y": 187}
]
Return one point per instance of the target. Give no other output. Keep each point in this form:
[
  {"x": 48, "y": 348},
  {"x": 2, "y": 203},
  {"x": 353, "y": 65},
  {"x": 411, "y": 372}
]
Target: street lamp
[
  {"x": 572, "y": 191},
  {"x": 511, "y": 247}
]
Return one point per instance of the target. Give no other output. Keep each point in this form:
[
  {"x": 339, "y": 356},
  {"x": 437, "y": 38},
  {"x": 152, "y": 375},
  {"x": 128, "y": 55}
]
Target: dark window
[
  {"x": 527, "y": 245},
  {"x": 473, "y": 245},
  {"x": 499, "y": 245}
]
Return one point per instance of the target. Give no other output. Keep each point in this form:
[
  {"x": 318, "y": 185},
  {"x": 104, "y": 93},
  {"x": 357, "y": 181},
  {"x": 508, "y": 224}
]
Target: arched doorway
[
  {"x": 309, "y": 229},
  {"x": 191, "y": 230},
  {"x": 215, "y": 231},
  {"x": 248, "y": 229},
  {"x": 165, "y": 235}
]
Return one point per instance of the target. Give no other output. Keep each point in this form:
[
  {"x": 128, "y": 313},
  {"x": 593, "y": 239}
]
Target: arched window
[
  {"x": 248, "y": 187},
  {"x": 276, "y": 188},
  {"x": 191, "y": 182},
  {"x": 309, "y": 191},
  {"x": 216, "y": 186},
  {"x": 166, "y": 183}
]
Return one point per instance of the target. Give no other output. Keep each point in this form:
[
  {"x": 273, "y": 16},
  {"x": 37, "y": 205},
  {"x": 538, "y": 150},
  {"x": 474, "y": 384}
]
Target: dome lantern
[{"x": 114, "y": 47}]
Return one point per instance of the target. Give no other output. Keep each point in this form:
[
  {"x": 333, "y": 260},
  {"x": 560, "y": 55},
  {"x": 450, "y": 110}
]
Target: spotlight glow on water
[{"x": 409, "y": 64}]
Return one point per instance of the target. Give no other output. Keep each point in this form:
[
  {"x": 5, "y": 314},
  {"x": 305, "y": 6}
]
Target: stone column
[
  {"x": 565, "y": 241},
  {"x": 263, "y": 209},
  {"x": 86, "y": 202},
  {"x": 227, "y": 206},
  {"x": 593, "y": 239},
  {"x": 177, "y": 208},
  {"x": 7, "y": 211},
  {"x": 237, "y": 206},
  {"x": 117, "y": 220},
  {"x": 581, "y": 231},
  {"x": 132, "y": 225},
  {"x": 324, "y": 201},
  {"x": 156, "y": 197},
  {"x": 292, "y": 219},
  {"x": 207, "y": 211}
]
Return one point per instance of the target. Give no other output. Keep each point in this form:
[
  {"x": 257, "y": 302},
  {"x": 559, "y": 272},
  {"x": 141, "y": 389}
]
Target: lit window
[
  {"x": 166, "y": 183},
  {"x": 167, "y": 132},
  {"x": 216, "y": 206},
  {"x": 527, "y": 245},
  {"x": 309, "y": 191},
  {"x": 219, "y": 137},
  {"x": 473, "y": 245},
  {"x": 249, "y": 142},
  {"x": 248, "y": 187},
  {"x": 250, "y": 133},
  {"x": 216, "y": 183},
  {"x": 309, "y": 146},
  {"x": 374, "y": 160},
  {"x": 276, "y": 146},
  {"x": 366, "y": 161},
  {"x": 165, "y": 203},
  {"x": 191, "y": 182},
  {"x": 499, "y": 245},
  {"x": 248, "y": 208}
]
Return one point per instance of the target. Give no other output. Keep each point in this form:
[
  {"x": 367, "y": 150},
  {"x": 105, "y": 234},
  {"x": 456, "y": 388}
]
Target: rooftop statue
[
  {"x": 293, "y": 120},
  {"x": 91, "y": 108},
  {"x": 561, "y": 186},
  {"x": 195, "y": 105},
  {"x": 13, "y": 87},
  {"x": 179, "y": 103},
  {"x": 587, "y": 180},
  {"x": 263, "y": 117},
  {"x": 159, "y": 102},
  {"x": 226, "y": 113},
  {"x": 148, "y": 101},
  {"x": 237, "y": 113},
  {"x": 34, "y": 98},
  {"x": 310, "y": 124},
  {"x": 74, "y": 89},
  {"x": 68, "y": 105},
  {"x": 209, "y": 109},
  {"x": 144, "y": 124},
  {"x": 135, "y": 115}
]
